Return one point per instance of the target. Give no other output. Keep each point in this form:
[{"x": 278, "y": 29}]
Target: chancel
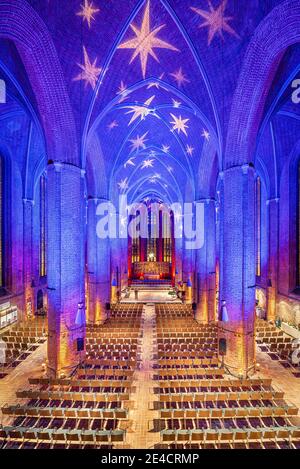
[{"x": 149, "y": 225}]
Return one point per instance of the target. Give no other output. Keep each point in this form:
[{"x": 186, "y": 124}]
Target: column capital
[
  {"x": 206, "y": 200},
  {"x": 98, "y": 199},
  {"x": 28, "y": 201},
  {"x": 274, "y": 199},
  {"x": 92, "y": 200},
  {"x": 245, "y": 168},
  {"x": 58, "y": 166}
]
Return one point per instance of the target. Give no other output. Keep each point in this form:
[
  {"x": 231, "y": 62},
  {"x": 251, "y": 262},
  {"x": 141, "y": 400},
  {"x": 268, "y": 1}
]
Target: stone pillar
[
  {"x": 129, "y": 254},
  {"x": 272, "y": 280},
  {"x": 219, "y": 241},
  {"x": 65, "y": 267},
  {"x": 124, "y": 263},
  {"x": 159, "y": 241},
  {"x": 187, "y": 257},
  {"x": 116, "y": 263},
  {"x": 98, "y": 267},
  {"x": 113, "y": 291},
  {"x": 173, "y": 261},
  {"x": 238, "y": 289},
  {"x": 27, "y": 257},
  {"x": 187, "y": 269},
  {"x": 206, "y": 266},
  {"x": 143, "y": 249}
]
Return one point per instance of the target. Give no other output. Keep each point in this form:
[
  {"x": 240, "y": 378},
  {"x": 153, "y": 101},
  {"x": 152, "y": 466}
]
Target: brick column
[
  {"x": 65, "y": 267},
  {"x": 98, "y": 267},
  {"x": 219, "y": 240},
  {"x": 160, "y": 241},
  {"x": 206, "y": 266},
  {"x": 27, "y": 256},
  {"x": 187, "y": 257},
  {"x": 272, "y": 281},
  {"x": 238, "y": 289},
  {"x": 173, "y": 262}
]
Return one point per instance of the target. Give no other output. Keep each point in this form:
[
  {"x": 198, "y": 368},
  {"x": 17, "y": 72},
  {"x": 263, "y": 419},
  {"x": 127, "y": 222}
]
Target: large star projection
[
  {"x": 215, "y": 21},
  {"x": 145, "y": 41}
]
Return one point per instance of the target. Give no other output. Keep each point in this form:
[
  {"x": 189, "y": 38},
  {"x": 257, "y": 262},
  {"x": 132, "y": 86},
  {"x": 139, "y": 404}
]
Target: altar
[{"x": 151, "y": 270}]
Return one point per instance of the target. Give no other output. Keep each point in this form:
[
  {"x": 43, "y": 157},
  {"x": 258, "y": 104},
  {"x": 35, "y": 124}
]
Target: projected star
[
  {"x": 130, "y": 162},
  {"x": 122, "y": 92},
  {"x": 112, "y": 125},
  {"x": 140, "y": 111},
  {"x": 215, "y": 21},
  {"x": 147, "y": 164},
  {"x": 205, "y": 134},
  {"x": 152, "y": 153},
  {"x": 176, "y": 104},
  {"x": 139, "y": 142},
  {"x": 190, "y": 150},
  {"x": 122, "y": 88},
  {"x": 88, "y": 12},
  {"x": 165, "y": 148},
  {"x": 179, "y": 77},
  {"x": 155, "y": 84},
  {"x": 123, "y": 184},
  {"x": 179, "y": 124},
  {"x": 145, "y": 41},
  {"x": 89, "y": 72},
  {"x": 170, "y": 169},
  {"x": 153, "y": 180}
]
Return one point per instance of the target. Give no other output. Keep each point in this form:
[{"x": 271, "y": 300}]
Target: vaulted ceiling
[{"x": 151, "y": 85}]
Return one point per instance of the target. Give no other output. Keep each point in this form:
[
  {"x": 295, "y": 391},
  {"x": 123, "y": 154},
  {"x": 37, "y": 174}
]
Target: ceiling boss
[{"x": 145, "y": 41}]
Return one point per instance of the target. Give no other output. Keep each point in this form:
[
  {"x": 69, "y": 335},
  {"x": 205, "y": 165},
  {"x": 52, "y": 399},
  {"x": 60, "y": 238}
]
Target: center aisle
[{"x": 143, "y": 398}]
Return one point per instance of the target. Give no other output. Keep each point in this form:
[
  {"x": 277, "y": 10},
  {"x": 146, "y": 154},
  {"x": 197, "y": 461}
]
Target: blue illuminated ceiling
[{"x": 151, "y": 85}]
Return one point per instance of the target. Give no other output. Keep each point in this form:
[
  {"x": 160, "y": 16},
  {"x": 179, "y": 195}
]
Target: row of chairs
[
  {"x": 89, "y": 408},
  {"x": 199, "y": 405},
  {"x": 21, "y": 339},
  {"x": 232, "y": 436}
]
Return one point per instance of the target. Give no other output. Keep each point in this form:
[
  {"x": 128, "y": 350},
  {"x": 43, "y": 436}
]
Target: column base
[
  {"x": 271, "y": 304},
  {"x": 239, "y": 357},
  {"x": 201, "y": 314},
  {"x": 63, "y": 372}
]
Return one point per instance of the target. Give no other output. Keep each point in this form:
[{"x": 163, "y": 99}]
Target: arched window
[
  {"x": 1, "y": 224},
  {"x": 153, "y": 227},
  {"x": 43, "y": 226},
  {"x": 258, "y": 226},
  {"x": 167, "y": 240},
  {"x": 135, "y": 243}
]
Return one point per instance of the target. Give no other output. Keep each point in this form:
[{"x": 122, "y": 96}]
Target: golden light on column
[
  {"x": 189, "y": 292},
  {"x": 114, "y": 288}
]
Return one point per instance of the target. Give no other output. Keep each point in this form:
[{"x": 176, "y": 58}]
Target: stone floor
[
  {"x": 143, "y": 398},
  {"x": 281, "y": 377},
  {"x": 18, "y": 378}
]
